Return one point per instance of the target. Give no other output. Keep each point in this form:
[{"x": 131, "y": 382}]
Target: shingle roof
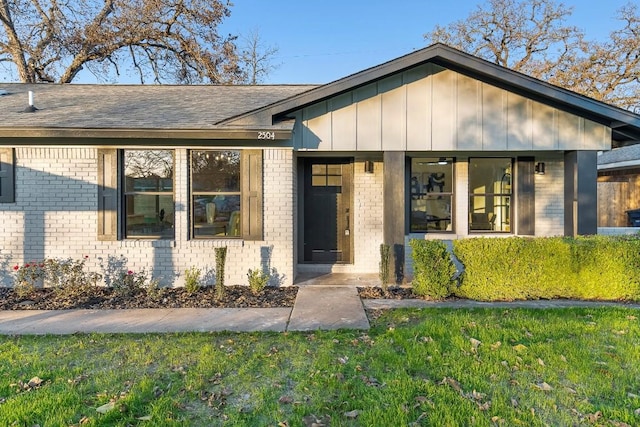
[
  {"x": 133, "y": 106},
  {"x": 620, "y": 156}
]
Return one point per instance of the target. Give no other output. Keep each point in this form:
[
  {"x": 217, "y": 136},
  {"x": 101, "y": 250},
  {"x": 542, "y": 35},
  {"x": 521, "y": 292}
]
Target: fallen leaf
[
  {"x": 452, "y": 383},
  {"x": 514, "y": 403},
  {"x": 352, "y": 415},
  {"x": 285, "y": 399},
  {"x": 541, "y": 362},
  {"x": 520, "y": 348},
  {"x": 570, "y": 390},
  {"x": 496, "y": 345},
  {"x": 631, "y": 318},
  {"x": 632, "y": 395},
  {"x": 343, "y": 360},
  {"x": 106, "y": 408},
  {"x": 544, "y": 386},
  {"x": 475, "y": 344},
  {"x": 34, "y": 382},
  {"x": 283, "y": 424},
  {"x": 592, "y": 418},
  {"x": 145, "y": 418},
  {"x": 637, "y": 412},
  {"x": 564, "y": 359}
]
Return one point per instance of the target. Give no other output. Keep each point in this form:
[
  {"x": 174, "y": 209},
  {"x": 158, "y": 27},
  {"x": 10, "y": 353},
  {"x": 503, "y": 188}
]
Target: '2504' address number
[{"x": 266, "y": 135}]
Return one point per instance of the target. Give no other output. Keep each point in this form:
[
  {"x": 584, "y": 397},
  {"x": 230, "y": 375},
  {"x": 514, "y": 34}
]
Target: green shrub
[
  {"x": 192, "y": 280},
  {"x": 258, "y": 280},
  {"x": 433, "y": 269},
  {"x": 517, "y": 268},
  {"x": 384, "y": 273}
]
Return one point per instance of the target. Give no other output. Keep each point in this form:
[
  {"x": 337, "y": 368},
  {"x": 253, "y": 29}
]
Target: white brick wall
[
  {"x": 550, "y": 197},
  {"x": 367, "y": 217},
  {"x": 55, "y": 217}
]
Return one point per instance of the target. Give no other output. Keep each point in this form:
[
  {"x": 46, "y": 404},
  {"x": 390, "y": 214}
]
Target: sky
[{"x": 323, "y": 40}]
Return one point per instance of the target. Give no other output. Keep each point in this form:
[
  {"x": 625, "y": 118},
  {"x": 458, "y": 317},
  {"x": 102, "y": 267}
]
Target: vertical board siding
[
  {"x": 394, "y": 113},
  {"x": 432, "y": 108},
  {"x": 343, "y": 122},
  {"x": 443, "y": 111},
  {"x": 545, "y": 125},
  {"x": 519, "y": 124},
  {"x": 469, "y": 118},
  {"x": 419, "y": 112},
  {"x": 369, "y": 118},
  {"x": 494, "y": 118}
]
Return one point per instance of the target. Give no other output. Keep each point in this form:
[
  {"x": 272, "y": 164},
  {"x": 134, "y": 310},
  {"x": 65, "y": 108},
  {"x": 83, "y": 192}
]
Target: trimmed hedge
[
  {"x": 590, "y": 268},
  {"x": 432, "y": 267}
]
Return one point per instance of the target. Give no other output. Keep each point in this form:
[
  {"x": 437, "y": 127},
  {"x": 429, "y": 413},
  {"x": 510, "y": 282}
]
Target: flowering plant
[{"x": 31, "y": 273}]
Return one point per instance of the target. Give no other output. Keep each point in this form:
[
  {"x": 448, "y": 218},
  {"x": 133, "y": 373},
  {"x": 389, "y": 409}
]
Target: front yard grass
[{"x": 414, "y": 367}]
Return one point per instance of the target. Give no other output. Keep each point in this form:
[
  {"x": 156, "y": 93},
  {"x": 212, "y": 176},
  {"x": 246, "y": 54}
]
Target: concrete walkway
[{"x": 316, "y": 307}]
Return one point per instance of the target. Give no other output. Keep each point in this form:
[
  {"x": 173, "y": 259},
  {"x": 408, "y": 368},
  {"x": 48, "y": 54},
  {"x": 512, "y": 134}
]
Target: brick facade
[{"x": 54, "y": 216}]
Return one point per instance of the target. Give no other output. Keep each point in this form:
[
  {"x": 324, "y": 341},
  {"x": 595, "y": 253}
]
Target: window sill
[
  {"x": 148, "y": 243},
  {"x": 215, "y": 243}
]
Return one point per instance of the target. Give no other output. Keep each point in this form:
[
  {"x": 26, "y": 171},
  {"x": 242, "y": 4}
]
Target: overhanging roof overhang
[{"x": 281, "y": 132}]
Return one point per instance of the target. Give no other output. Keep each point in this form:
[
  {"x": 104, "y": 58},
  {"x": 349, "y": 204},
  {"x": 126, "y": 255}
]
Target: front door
[{"x": 328, "y": 216}]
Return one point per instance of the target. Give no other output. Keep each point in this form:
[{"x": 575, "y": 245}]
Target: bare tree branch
[
  {"x": 165, "y": 40},
  {"x": 530, "y": 36}
]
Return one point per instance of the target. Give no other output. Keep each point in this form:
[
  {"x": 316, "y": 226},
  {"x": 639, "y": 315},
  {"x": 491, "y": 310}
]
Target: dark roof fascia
[
  {"x": 625, "y": 122},
  {"x": 265, "y": 134}
]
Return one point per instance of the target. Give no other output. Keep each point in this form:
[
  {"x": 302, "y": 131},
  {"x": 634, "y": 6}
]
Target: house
[
  {"x": 619, "y": 190},
  {"x": 436, "y": 144}
]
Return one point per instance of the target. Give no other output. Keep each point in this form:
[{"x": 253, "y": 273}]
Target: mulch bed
[{"x": 107, "y": 298}]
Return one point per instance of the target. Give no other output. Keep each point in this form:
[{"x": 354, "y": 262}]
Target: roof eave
[{"x": 263, "y": 134}]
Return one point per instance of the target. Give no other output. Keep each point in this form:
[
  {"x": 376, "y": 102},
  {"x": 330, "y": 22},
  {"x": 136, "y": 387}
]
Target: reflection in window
[
  {"x": 215, "y": 193},
  {"x": 490, "y": 195},
  {"x": 431, "y": 194},
  {"x": 148, "y": 198}
]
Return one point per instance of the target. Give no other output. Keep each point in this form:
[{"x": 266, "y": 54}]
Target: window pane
[
  {"x": 431, "y": 175},
  {"x": 319, "y": 181},
  {"x": 334, "y": 169},
  {"x": 149, "y": 215},
  {"x": 490, "y": 176},
  {"x": 334, "y": 181},
  {"x": 215, "y": 171},
  {"x": 431, "y": 194},
  {"x": 216, "y": 216},
  {"x": 148, "y": 170},
  {"x": 490, "y": 213},
  {"x": 318, "y": 169},
  {"x": 431, "y": 214}
]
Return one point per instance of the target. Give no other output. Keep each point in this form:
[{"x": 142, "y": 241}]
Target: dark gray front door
[{"x": 328, "y": 214}]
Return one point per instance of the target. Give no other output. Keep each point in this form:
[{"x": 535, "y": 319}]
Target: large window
[
  {"x": 431, "y": 194},
  {"x": 215, "y": 194},
  {"x": 490, "y": 195},
  {"x": 148, "y": 193}
]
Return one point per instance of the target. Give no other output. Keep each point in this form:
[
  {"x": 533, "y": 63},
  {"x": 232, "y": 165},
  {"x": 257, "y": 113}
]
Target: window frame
[
  {"x": 192, "y": 194},
  {"x": 451, "y": 161},
  {"x": 510, "y": 195},
  {"x": 123, "y": 185}
]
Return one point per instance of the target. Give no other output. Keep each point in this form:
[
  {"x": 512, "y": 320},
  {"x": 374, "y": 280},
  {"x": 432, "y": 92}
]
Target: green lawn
[{"x": 414, "y": 367}]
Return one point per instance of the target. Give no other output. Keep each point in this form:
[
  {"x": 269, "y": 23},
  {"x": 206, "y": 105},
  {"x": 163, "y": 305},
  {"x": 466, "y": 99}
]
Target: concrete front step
[{"x": 327, "y": 307}]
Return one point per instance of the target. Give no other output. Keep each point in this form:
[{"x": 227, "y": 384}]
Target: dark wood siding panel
[
  {"x": 252, "y": 194},
  {"x": 107, "y": 194},
  {"x": 526, "y": 196},
  {"x": 7, "y": 176}
]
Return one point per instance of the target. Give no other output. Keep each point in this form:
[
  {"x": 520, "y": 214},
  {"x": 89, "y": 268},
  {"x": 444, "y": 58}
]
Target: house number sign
[{"x": 266, "y": 135}]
